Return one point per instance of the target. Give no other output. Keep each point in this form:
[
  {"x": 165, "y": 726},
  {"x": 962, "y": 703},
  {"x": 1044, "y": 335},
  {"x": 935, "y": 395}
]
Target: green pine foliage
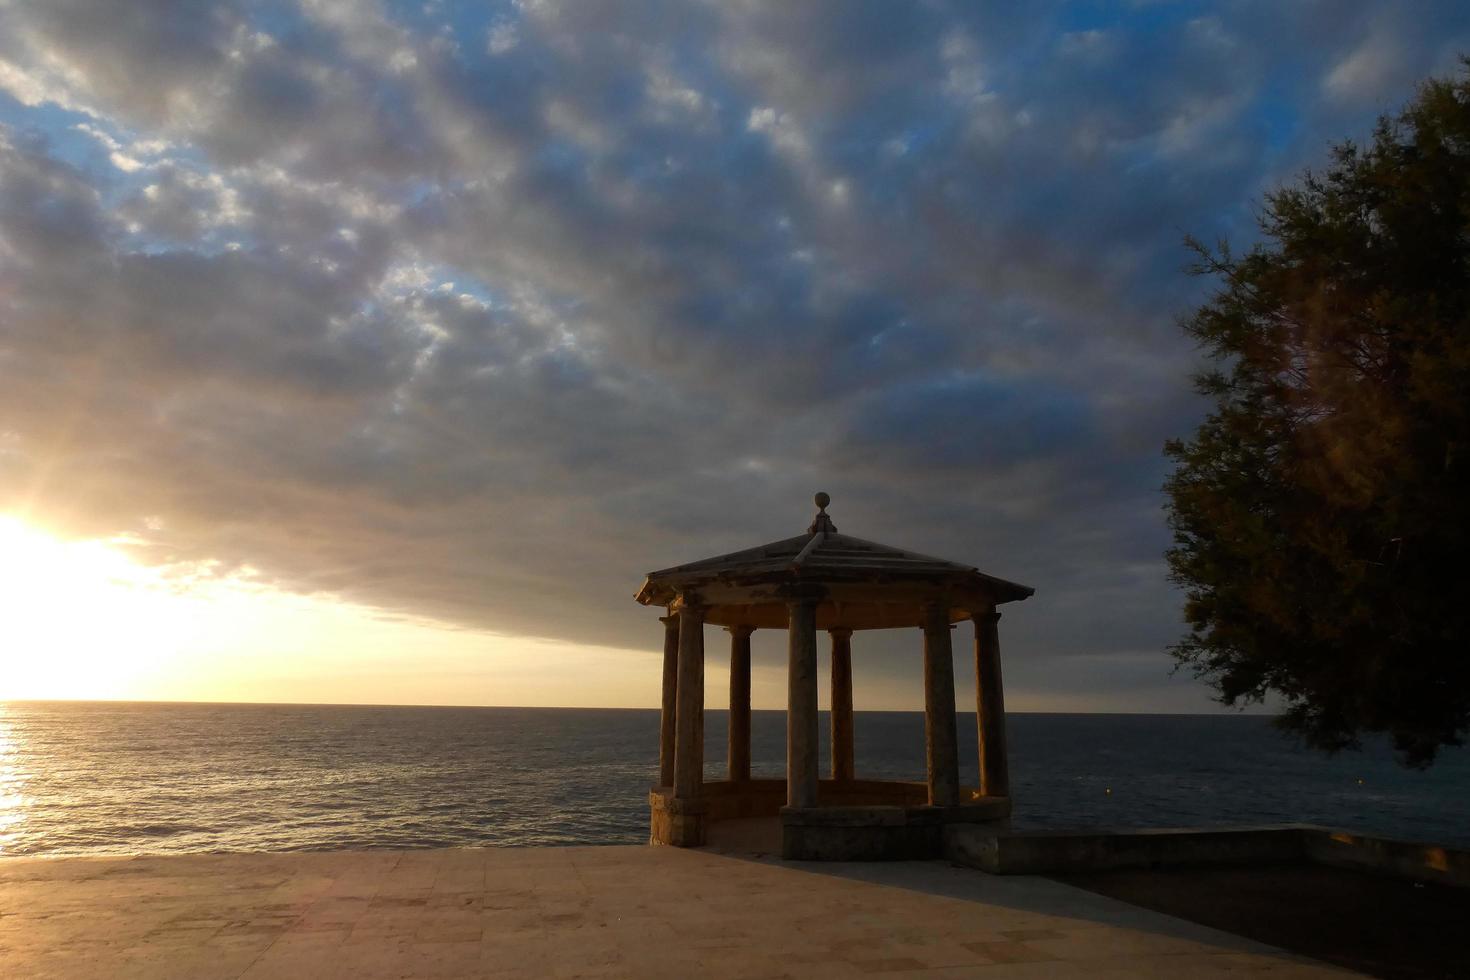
[{"x": 1321, "y": 513}]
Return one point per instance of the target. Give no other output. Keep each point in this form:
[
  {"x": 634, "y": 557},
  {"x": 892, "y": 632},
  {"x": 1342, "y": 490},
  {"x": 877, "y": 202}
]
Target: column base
[{"x": 676, "y": 822}]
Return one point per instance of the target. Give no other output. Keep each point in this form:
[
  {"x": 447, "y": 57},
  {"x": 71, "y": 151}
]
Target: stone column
[
  {"x": 666, "y": 726},
  {"x": 689, "y": 741},
  {"x": 842, "y": 755},
  {"x": 801, "y": 705},
  {"x": 738, "y": 753},
  {"x": 990, "y": 705},
  {"x": 941, "y": 747}
]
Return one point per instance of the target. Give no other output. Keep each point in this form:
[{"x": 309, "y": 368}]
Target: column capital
[
  {"x": 670, "y": 618},
  {"x": 740, "y": 630},
  {"x": 936, "y": 617},
  {"x": 840, "y": 632},
  {"x": 985, "y": 615},
  {"x": 689, "y": 603}
]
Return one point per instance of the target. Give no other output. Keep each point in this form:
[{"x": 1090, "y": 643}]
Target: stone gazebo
[{"x": 822, "y": 580}]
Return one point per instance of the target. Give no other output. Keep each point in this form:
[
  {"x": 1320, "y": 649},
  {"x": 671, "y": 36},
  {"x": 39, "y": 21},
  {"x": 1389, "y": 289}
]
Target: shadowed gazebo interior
[{"x": 823, "y": 580}]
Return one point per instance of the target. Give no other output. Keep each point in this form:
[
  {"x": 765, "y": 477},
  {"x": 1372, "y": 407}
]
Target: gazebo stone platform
[{"x": 823, "y": 580}]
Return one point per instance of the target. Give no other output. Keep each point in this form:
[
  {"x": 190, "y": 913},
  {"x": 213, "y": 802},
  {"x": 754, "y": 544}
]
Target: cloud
[
  {"x": 482, "y": 314},
  {"x": 1367, "y": 72}
]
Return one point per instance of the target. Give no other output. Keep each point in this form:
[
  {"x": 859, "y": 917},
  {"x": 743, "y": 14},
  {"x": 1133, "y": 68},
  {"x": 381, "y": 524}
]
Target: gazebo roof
[{"x": 861, "y": 583}]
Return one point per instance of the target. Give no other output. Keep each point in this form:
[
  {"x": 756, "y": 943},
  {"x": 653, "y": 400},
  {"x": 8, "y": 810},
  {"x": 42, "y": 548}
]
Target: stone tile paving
[{"x": 582, "y": 912}]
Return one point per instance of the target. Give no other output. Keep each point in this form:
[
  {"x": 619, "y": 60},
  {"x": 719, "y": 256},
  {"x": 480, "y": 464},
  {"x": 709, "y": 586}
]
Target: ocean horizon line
[{"x": 1226, "y": 713}]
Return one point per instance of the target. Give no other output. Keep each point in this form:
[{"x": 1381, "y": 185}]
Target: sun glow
[
  {"x": 77, "y": 614},
  {"x": 83, "y": 620}
]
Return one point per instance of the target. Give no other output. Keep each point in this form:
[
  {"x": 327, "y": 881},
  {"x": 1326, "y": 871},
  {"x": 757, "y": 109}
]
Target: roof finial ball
[{"x": 822, "y": 523}]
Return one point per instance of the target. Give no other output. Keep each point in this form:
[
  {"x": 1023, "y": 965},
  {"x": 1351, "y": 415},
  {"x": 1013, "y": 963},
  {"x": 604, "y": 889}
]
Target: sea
[{"x": 129, "y": 778}]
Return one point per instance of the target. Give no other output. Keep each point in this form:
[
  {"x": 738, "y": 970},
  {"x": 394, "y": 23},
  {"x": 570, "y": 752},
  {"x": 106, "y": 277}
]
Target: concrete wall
[
  {"x": 1069, "y": 851},
  {"x": 1043, "y": 852},
  {"x": 879, "y": 833},
  {"x": 1403, "y": 859},
  {"x": 870, "y": 833}
]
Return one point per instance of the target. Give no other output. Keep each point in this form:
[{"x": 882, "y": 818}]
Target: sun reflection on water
[{"x": 12, "y": 782}]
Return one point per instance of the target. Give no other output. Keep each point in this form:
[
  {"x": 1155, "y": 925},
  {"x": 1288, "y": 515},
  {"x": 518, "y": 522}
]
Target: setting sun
[{"x": 80, "y": 620}]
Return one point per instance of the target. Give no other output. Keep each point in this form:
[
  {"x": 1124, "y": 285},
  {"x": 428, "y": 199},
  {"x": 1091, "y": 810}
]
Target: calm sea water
[{"x": 108, "y": 778}]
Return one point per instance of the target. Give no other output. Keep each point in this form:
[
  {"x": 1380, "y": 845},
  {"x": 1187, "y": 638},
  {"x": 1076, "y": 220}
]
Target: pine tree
[{"x": 1321, "y": 512}]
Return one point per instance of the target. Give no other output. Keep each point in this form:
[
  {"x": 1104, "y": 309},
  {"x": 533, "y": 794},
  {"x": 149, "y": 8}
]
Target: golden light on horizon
[
  {"x": 12, "y": 784},
  {"x": 82, "y": 620},
  {"x": 85, "y": 620}
]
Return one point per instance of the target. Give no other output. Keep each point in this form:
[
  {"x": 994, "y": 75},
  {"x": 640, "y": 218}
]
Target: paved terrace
[{"x": 582, "y": 912}]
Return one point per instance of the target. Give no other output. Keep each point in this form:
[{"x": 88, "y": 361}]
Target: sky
[{"x": 373, "y": 352}]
